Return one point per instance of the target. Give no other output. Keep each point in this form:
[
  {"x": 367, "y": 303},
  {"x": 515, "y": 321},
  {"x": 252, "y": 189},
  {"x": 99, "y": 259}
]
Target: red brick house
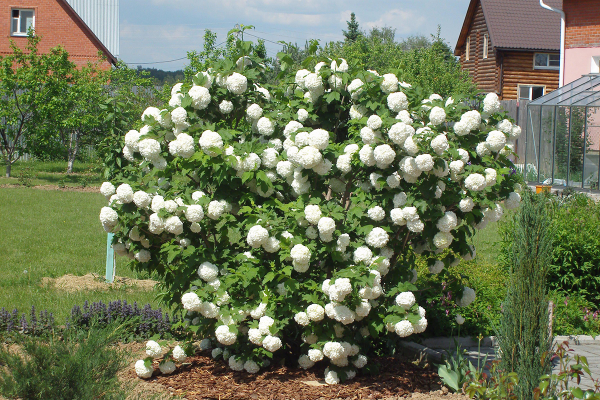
[
  {"x": 511, "y": 47},
  {"x": 58, "y": 23},
  {"x": 582, "y": 38}
]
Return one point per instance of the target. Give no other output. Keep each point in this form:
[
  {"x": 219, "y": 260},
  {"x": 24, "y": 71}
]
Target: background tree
[
  {"x": 353, "y": 31},
  {"x": 28, "y": 82}
]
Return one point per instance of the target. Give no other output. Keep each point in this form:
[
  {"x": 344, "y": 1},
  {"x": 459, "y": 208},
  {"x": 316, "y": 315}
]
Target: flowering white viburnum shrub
[{"x": 285, "y": 220}]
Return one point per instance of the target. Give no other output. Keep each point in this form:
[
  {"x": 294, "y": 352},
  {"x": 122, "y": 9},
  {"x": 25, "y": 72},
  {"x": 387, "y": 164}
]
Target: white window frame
[
  {"x": 18, "y": 32},
  {"x": 468, "y": 49},
  {"x": 520, "y": 85},
  {"x": 547, "y": 66},
  {"x": 486, "y": 41}
]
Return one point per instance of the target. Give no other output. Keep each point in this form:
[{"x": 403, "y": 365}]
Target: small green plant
[
  {"x": 571, "y": 370},
  {"x": 496, "y": 386},
  {"x": 458, "y": 370},
  {"x": 73, "y": 367},
  {"x": 61, "y": 183},
  {"x": 25, "y": 176},
  {"x": 84, "y": 182}
]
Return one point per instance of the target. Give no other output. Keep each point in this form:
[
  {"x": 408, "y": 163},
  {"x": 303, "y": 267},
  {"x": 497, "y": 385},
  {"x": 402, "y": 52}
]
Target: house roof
[
  {"x": 516, "y": 24},
  {"x": 111, "y": 58}
]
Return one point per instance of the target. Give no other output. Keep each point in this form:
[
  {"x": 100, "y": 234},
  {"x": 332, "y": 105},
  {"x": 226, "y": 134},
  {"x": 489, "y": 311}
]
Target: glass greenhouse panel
[
  {"x": 591, "y": 164},
  {"x": 546, "y": 145},
  {"x": 530, "y": 167}
]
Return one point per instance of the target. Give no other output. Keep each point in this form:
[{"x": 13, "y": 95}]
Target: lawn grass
[
  {"x": 52, "y": 173},
  {"x": 50, "y": 234}
]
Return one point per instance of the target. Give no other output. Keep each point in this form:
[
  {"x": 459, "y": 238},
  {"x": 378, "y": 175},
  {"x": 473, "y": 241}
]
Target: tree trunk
[
  {"x": 73, "y": 148},
  {"x": 8, "y": 168}
]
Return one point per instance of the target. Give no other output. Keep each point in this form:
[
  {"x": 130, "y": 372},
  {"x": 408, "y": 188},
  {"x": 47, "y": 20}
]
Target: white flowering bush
[{"x": 285, "y": 220}]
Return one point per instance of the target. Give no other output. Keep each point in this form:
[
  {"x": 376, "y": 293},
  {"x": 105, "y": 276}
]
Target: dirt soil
[
  {"x": 73, "y": 283},
  {"x": 203, "y": 378},
  {"x": 87, "y": 189}
]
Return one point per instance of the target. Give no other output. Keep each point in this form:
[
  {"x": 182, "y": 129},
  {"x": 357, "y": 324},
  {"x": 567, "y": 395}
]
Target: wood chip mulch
[{"x": 203, "y": 378}]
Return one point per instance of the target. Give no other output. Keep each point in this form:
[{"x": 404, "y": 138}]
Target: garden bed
[{"x": 201, "y": 377}]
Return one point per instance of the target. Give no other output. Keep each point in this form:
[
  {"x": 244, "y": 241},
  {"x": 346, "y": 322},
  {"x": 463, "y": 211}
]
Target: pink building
[{"x": 582, "y": 38}]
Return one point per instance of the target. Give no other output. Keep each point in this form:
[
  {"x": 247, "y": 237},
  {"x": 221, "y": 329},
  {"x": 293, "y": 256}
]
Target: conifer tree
[
  {"x": 523, "y": 335},
  {"x": 353, "y": 32}
]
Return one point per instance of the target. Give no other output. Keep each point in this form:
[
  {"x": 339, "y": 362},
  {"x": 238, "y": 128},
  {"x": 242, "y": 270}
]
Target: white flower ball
[
  {"x": 357, "y": 111},
  {"x": 224, "y": 336},
  {"x": 210, "y": 139},
  {"x": 384, "y": 155},
  {"x": 331, "y": 377},
  {"x": 236, "y": 364},
  {"x": 194, "y": 213},
  {"x": 448, "y": 222},
  {"x": 236, "y": 83},
  {"x": 254, "y": 111},
  {"x": 108, "y": 216},
  {"x": 482, "y": 150},
  {"x": 363, "y": 254},
  {"x": 272, "y": 343},
  {"x": 495, "y": 141},
  {"x": 397, "y": 101},
  {"x": 475, "y": 182},
  {"x": 315, "y": 312},
  {"x": 390, "y": 83},
  {"x": 153, "y": 349},
  {"x": 265, "y": 126},
  {"x": 302, "y": 115},
  {"x": 149, "y": 149},
  {"x": 174, "y": 225},
  {"x": 376, "y": 213},
  {"x": 437, "y": 267},
  {"x": 257, "y": 236},
  {"x": 468, "y": 296},
  {"x": 226, "y": 107},
  {"x": 142, "y": 371},
  {"x": 513, "y": 201},
  {"x": 326, "y": 226},
  {"x": 404, "y": 328},
  {"x": 439, "y": 144},
  {"x": 167, "y": 367},
  {"x": 457, "y": 167},
  {"x": 208, "y": 271},
  {"x": 442, "y": 240},
  {"x": 424, "y": 162},
  {"x": 309, "y": 157},
  {"x": 490, "y": 176},
  {"x": 491, "y": 103},
  {"x": 200, "y": 97},
  {"x": 179, "y": 354},
  {"x": 466, "y": 205},
  {"x": 301, "y": 318},
  {"x": 367, "y": 156},
  {"x": 406, "y": 300},
  {"x": 319, "y": 139},
  {"x": 374, "y": 122},
  {"x": 437, "y": 116},
  {"x": 143, "y": 256},
  {"x": 191, "y": 302},
  {"x": 312, "y": 213},
  {"x": 251, "y": 367}
]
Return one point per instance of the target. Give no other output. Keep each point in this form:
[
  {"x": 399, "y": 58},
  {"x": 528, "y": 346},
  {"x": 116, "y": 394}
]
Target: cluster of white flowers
[{"x": 241, "y": 182}]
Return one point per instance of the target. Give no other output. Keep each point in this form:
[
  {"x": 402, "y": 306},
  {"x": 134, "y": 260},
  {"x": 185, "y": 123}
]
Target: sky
[{"x": 153, "y": 31}]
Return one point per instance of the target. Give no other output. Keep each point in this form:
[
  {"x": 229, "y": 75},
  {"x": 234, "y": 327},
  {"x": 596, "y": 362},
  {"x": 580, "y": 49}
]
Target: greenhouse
[{"x": 562, "y": 139}]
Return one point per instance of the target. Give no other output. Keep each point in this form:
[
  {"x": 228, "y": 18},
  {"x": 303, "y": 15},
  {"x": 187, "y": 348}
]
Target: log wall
[
  {"x": 485, "y": 72},
  {"x": 518, "y": 69}
]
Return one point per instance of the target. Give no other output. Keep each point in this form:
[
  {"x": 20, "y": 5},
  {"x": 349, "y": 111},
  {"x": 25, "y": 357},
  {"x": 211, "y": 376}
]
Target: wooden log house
[{"x": 511, "y": 47}]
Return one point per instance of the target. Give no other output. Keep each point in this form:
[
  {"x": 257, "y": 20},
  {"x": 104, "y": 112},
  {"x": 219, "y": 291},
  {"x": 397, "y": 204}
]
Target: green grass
[
  {"x": 52, "y": 173},
  {"x": 50, "y": 234}
]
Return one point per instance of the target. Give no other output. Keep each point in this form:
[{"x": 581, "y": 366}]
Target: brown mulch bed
[
  {"x": 72, "y": 283},
  {"x": 203, "y": 378}
]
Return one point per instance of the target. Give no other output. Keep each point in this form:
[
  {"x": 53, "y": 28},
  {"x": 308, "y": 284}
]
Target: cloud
[{"x": 402, "y": 21}]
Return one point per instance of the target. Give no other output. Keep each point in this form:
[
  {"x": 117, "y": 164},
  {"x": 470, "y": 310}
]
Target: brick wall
[
  {"x": 582, "y": 23},
  {"x": 57, "y": 25}
]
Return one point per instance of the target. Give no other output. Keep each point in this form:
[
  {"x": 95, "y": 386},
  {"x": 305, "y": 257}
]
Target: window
[
  {"x": 21, "y": 21},
  {"x": 485, "y": 45},
  {"x": 530, "y": 92},
  {"x": 595, "y": 68},
  {"x": 468, "y": 50},
  {"x": 546, "y": 61}
]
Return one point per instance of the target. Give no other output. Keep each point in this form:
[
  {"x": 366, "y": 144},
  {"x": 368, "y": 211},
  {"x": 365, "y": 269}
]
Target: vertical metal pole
[
  {"x": 554, "y": 142},
  {"x": 569, "y": 145},
  {"x": 539, "y": 155},
  {"x": 584, "y": 147},
  {"x": 526, "y": 136},
  {"x": 110, "y": 259}
]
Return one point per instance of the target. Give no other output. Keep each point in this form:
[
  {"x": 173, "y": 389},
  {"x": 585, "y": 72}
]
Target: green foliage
[
  {"x": 25, "y": 176},
  {"x": 74, "y": 367},
  {"x": 574, "y": 315},
  {"x": 458, "y": 369},
  {"x": 575, "y": 263},
  {"x": 574, "y": 267},
  {"x": 353, "y": 31},
  {"x": 523, "y": 334},
  {"x": 28, "y": 84},
  {"x": 428, "y": 63}
]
